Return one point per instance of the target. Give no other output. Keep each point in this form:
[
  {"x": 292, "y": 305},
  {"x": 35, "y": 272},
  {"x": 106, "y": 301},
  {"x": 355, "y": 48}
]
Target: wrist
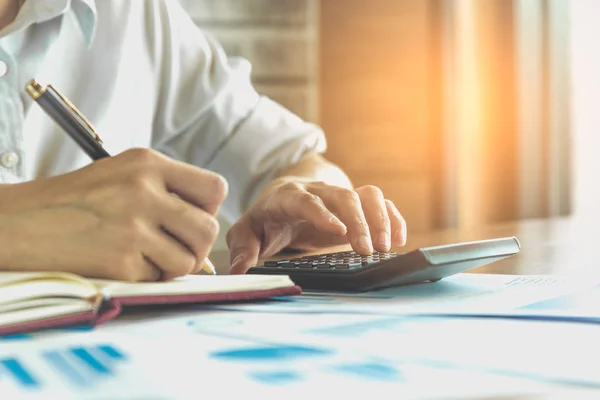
[
  {"x": 279, "y": 181},
  {"x": 19, "y": 197},
  {"x": 8, "y": 198},
  {"x": 9, "y": 242}
]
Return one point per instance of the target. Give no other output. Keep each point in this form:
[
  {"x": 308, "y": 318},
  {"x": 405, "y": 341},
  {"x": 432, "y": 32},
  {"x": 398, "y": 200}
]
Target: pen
[
  {"x": 76, "y": 125},
  {"x": 68, "y": 118}
]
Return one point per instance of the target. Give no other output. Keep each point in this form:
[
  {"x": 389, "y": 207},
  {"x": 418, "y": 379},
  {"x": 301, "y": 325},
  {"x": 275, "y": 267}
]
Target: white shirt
[{"x": 145, "y": 76}]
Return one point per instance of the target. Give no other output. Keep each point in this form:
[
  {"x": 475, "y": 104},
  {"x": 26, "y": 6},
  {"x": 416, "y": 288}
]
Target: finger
[
  {"x": 398, "y": 224},
  {"x": 376, "y": 214},
  {"x": 347, "y": 205},
  {"x": 150, "y": 271},
  {"x": 198, "y": 186},
  {"x": 168, "y": 254},
  {"x": 131, "y": 268},
  {"x": 301, "y": 206},
  {"x": 194, "y": 228},
  {"x": 244, "y": 246}
]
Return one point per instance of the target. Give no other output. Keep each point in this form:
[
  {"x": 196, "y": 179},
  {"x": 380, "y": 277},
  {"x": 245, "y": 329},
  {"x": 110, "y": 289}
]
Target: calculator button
[
  {"x": 340, "y": 260},
  {"x": 324, "y": 266},
  {"x": 365, "y": 263},
  {"x": 287, "y": 265},
  {"x": 341, "y": 266}
]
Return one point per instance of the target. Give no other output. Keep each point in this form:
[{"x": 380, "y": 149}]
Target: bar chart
[{"x": 75, "y": 367}]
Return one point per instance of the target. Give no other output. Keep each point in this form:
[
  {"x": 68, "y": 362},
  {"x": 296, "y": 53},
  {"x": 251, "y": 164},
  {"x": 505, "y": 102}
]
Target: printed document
[{"x": 466, "y": 293}]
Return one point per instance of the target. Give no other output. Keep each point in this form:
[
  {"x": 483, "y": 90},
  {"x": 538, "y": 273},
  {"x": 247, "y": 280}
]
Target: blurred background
[{"x": 464, "y": 112}]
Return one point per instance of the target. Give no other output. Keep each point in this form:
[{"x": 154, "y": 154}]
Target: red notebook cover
[{"x": 112, "y": 307}]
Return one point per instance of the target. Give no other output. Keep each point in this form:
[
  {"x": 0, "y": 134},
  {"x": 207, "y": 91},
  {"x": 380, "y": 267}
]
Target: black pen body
[{"x": 71, "y": 123}]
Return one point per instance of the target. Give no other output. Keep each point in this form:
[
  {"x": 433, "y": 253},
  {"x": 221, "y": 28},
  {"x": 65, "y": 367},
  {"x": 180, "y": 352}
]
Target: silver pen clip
[{"x": 35, "y": 90}]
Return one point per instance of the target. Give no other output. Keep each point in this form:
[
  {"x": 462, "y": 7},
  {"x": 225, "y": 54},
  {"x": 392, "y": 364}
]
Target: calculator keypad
[{"x": 339, "y": 260}]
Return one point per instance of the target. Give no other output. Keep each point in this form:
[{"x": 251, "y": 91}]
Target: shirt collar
[
  {"x": 35, "y": 11},
  {"x": 85, "y": 12}
]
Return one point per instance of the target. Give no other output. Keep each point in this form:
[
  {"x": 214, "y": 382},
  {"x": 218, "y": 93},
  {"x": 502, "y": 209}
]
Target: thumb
[{"x": 244, "y": 247}]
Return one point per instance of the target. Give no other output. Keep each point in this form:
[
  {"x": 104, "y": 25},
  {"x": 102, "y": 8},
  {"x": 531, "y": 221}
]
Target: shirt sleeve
[{"x": 209, "y": 114}]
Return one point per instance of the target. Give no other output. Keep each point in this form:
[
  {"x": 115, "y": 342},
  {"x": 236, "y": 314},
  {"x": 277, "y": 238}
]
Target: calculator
[{"x": 349, "y": 271}]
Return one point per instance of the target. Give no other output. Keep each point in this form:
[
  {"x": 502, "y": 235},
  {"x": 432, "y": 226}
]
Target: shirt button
[
  {"x": 3, "y": 68},
  {"x": 9, "y": 159}
]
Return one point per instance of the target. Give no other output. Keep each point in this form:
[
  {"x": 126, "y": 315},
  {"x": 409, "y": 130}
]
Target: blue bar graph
[
  {"x": 91, "y": 361},
  {"x": 19, "y": 373},
  {"x": 66, "y": 369},
  {"x": 112, "y": 352},
  {"x": 82, "y": 366}
]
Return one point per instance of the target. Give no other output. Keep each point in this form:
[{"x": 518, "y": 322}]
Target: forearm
[{"x": 315, "y": 168}]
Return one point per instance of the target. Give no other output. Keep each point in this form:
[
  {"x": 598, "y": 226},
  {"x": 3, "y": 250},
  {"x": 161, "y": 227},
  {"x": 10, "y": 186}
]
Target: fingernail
[
  {"x": 365, "y": 243},
  {"x": 235, "y": 266},
  {"x": 384, "y": 240},
  {"x": 399, "y": 237},
  {"x": 237, "y": 259},
  {"x": 333, "y": 220}
]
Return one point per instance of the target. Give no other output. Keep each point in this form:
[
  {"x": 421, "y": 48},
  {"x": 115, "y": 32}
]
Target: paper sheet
[
  {"x": 95, "y": 365},
  {"x": 461, "y": 293},
  {"x": 537, "y": 350}
]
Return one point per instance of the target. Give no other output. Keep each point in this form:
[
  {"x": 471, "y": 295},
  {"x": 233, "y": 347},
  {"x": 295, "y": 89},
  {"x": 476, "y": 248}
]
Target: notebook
[{"x": 32, "y": 301}]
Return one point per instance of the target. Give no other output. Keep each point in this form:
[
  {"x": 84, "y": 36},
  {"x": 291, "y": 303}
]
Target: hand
[
  {"x": 314, "y": 215},
  {"x": 138, "y": 216}
]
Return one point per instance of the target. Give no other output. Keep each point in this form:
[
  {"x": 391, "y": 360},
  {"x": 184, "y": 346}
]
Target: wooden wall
[{"x": 380, "y": 99}]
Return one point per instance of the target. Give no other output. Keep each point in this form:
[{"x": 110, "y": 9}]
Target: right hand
[{"x": 138, "y": 216}]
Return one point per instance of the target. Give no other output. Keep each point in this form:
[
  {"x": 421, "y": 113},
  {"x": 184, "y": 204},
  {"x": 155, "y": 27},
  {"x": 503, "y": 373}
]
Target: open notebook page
[
  {"x": 20, "y": 287},
  {"x": 195, "y": 284},
  {"x": 32, "y": 296}
]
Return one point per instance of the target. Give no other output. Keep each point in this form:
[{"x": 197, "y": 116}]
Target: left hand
[{"x": 309, "y": 215}]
